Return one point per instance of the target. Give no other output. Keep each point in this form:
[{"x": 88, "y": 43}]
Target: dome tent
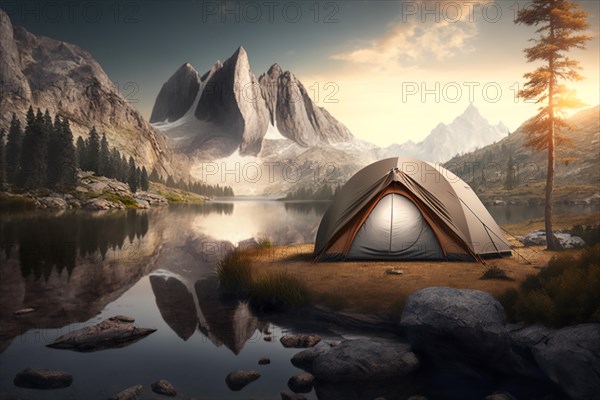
[{"x": 406, "y": 209}]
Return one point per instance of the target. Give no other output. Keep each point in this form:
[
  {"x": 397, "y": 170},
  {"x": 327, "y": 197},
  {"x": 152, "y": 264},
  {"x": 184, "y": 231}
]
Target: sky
[{"x": 389, "y": 70}]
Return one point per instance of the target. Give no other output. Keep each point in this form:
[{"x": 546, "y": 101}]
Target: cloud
[{"x": 419, "y": 37}]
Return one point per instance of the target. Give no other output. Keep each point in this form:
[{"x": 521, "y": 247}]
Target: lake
[{"x": 77, "y": 268}]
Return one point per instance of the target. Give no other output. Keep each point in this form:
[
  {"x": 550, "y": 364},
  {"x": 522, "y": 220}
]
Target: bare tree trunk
[{"x": 551, "y": 240}]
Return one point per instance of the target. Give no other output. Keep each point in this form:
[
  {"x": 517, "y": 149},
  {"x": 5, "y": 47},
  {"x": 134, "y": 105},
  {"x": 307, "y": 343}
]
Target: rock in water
[
  {"x": 264, "y": 361},
  {"x": 570, "y": 357},
  {"x": 292, "y": 396},
  {"x": 301, "y": 383},
  {"x": 164, "y": 387},
  {"x": 364, "y": 360},
  {"x": 108, "y": 334},
  {"x": 131, "y": 393},
  {"x": 300, "y": 341},
  {"x": 305, "y": 358},
  {"x": 458, "y": 324},
  {"x": 237, "y": 380},
  {"x": 35, "y": 378}
]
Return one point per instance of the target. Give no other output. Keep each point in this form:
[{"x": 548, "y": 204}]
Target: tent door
[{"x": 395, "y": 229}]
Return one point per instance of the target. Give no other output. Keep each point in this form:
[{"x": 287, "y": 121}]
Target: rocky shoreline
[{"x": 97, "y": 193}]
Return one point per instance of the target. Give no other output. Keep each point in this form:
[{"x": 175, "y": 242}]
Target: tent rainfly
[{"x": 406, "y": 209}]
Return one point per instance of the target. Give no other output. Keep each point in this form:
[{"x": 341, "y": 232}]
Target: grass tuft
[
  {"x": 494, "y": 272},
  {"x": 275, "y": 291}
]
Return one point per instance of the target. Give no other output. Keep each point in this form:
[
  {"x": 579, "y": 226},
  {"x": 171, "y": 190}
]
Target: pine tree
[
  {"x": 170, "y": 182},
  {"x": 104, "y": 164},
  {"x": 81, "y": 153},
  {"x": 509, "y": 182},
  {"x": 93, "y": 150},
  {"x": 558, "y": 22},
  {"x": 154, "y": 176},
  {"x": 132, "y": 179},
  {"x": 54, "y": 153},
  {"x": 144, "y": 182},
  {"x": 69, "y": 156},
  {"x": 34, "y": 163},
  {"x": 14, "y": 147},
  {"x": 2, "y": 160}
]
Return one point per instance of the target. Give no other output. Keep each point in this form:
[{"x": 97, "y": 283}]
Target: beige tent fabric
[{"x": 448, "y": 203}]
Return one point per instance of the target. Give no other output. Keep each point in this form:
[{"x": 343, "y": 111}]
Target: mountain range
[
  {"x": 227, "y": 115},
  {"x": 263, "y": 135}
]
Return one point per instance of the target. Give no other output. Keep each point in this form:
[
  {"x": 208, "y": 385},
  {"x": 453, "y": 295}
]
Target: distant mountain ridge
[
  {"x": 67, "y": 80},
  {"x": 467, "y": 132},
  {"x": 577, "y": 164}
]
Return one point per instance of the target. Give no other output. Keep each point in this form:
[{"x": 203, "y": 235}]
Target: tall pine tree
[
  {"x": 558, "y": 22},
  {"x": 68, "y": 176},
  {"x": 34, "y": 153},
  {"x": 104, "y": 164},
  {"x": 2, "y": 160},
  {"x": 14, "y": 145},
  {"x": 93, "y": 151},
  {"x": 144, "y": 181},
  {"x": 132, "y": 179}
]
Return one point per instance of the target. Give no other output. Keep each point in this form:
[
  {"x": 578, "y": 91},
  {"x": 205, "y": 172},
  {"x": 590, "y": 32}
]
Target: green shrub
[
  {"x": 128, "y": 201},
  {"x": 494, "y": 272},
  {"x": 589, "y": 233},
  {"x": 566, "y": 292}
]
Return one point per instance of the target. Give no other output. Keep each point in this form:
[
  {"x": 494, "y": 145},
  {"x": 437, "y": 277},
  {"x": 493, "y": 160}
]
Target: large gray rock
[
  {"x": 305, "y": 358},
  {"x": 36, "y": 378},
  {"x": 108, "y": 334},
  {"x": 164, "y": 387},
  {"x": 566, "y": 240},
  {"x": 100, "y": 204},
  {"x": 131, "y": 393},
  {"x": 301, "y": 383},
  {"x": 522, "y": 340},
  {"x": 570, "y": 357},
  {"x": 448, "y": 324},
  {"x": 53, "y": 202},
  {"x": 364, "y": 360},
  {"x": 237, "y": 380},
  {"x": 300, "y": 341}
]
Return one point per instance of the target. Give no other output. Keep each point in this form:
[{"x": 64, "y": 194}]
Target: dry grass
[
  {"x": 365, "y": 287},
  {"x": 559, "y": 222}
]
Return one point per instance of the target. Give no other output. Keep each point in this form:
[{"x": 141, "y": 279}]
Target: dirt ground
[{"x": 367, "y": 287}]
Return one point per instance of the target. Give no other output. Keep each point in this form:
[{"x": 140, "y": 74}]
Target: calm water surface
[{"x": 77, "y": 268}]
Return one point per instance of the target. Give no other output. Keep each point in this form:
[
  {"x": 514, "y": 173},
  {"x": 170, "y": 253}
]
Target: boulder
[
  {"x": 264, "y": 361},
  {"x": 364, "y": 360},
  {"x": 54, "y": 202},
  {"x": 566, "y": 240},
  {"x": 522, "y": 340},
  {"x": 301, "y": 383},
  {"x": 108, "y": 334},
  {"x": 300, "y": 341},
  {"x": 151, "y": 199},
  {"x": 458, "y": 324},
  {"x": 36, "y": 378},
  {"x": 237, "y": 380},
  {"x": 305, "y": 358},
  {"x": 131, "y": 393},
  {"x": 98, "y": 204},
  {"x": 570, "y": 357},
  {"x": 292, "y": 396},
  {"x": 164, "y": 387}
]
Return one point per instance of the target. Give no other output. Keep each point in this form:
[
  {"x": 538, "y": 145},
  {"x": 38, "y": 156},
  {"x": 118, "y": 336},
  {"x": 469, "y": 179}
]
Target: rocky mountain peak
[
  {"x": 176, "y": 95},
  {"x": 275, "y": 70}
]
